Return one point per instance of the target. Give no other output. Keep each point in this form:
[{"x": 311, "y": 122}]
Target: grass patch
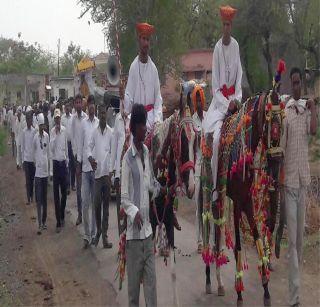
[{"x": 3, "y": 135}]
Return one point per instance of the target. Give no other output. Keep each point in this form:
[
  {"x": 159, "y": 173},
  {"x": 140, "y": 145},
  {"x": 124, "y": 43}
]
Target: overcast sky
[{"x": 45, "y": 21}]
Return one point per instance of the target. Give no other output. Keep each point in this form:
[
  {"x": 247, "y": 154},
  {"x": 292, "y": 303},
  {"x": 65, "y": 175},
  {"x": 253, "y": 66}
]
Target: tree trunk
[{"x": 267, "y": 56}]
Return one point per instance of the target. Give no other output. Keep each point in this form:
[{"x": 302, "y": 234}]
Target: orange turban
[
  {"x": 227, "y": 12},
  {"x": 144, "y": 29},
  {"x": 200, "y": 90}
]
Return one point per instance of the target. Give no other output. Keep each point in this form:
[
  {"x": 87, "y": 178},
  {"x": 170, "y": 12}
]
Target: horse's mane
[
  {"x": 232, "y": 138},
  {"x": 161, "y": 133}
]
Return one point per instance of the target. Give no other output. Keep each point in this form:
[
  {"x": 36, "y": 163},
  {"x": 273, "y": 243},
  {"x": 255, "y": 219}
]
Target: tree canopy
[{"x": 265, "y": 30}]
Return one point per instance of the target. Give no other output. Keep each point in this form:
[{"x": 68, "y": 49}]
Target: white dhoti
[{"x": 212, "y": 124}]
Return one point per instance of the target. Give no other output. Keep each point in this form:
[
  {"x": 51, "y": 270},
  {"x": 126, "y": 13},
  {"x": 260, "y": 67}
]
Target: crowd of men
[{"x": 68, "y": 143}]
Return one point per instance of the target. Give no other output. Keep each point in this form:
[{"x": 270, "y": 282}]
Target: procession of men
[{"x": 70, "y": 146}]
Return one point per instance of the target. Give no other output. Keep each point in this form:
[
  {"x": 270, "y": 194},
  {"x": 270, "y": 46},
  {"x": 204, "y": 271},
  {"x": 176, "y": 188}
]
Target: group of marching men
[{"x": 85, "y": 153}]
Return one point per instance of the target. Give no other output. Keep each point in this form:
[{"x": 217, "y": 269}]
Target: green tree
[
  {"x": 70, "y": 58},
  {"x": 167, "y": 16},
  {"x": 305, "y": 18},
  {"x": 21, "y": 57}
]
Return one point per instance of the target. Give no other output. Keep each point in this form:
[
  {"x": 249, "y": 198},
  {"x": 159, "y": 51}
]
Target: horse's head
[
  {"x": 270, "y": 115},
  {"x": 183, "y": 143}
]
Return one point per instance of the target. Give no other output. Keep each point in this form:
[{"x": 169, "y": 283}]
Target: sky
[{"x": 45, "y": 21}]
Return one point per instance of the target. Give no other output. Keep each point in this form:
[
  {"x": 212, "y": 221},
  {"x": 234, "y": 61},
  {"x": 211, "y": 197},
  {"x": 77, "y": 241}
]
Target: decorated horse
[{"x": 249, "y": 159}]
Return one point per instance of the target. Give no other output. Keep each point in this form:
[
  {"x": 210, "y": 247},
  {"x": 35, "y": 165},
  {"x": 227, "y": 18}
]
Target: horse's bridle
[{"x": 178, "y": 129}]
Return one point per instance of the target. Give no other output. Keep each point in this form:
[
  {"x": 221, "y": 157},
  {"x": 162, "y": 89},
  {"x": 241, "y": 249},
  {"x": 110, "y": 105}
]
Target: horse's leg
[
  {"x": 237, "y": 251},
  {"x": 207, "y": 227},
  {"x": 168, "y": 223},
  {"x": 218, "y": 239},
  {"x": 259, "y": 245}
]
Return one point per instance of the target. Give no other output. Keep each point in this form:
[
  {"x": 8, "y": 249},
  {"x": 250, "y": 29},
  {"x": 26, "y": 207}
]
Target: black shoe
[
  {"x": 68, "y": 192},
  {"x": 39, "y": 230},
  {"x": 58, "y": 229},
  {"x": 79, "y": 220},
  {"x": 96, "y": 239},
  {"x": 107, "y": 244},
  {"x": 62, "y": 223},
  {"x": 85, "y": 244},
  {"x": 73, "y": 188}
]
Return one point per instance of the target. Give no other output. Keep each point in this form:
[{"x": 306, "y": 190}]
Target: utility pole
[{"x": 58, "y": 57}]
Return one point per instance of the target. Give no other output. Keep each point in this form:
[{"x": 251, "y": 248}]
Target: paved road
[{"x": 190, "y": 273}]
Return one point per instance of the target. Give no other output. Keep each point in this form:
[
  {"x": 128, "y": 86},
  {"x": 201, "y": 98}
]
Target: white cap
[
  {"x": 28, "y": 109},
  {"x": 56, "y": 113},
  {"x": 40, "y": 119},
  {"x": 19, "y": 109}
]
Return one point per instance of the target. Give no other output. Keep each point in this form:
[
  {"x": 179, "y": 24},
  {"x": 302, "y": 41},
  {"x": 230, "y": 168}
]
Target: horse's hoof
[
  {"x": 208, "y": 289},
  {"x": 267, "y": 301},
  {"x": 270, "y": 267},
  {"x": 239, "y": 303},
  {"x": 221, "y": 291}
]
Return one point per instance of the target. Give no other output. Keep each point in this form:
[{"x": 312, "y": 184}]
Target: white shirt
[
  {"x": 12, "y": 120},
  {"x": 19, "y": 126},
  {"x": 27, "y": 144},
  {"x": 226, "y": 70},
  {"x": 87, "y": 127},
  {"x": 66, "y": 121},
  {"x": 136, "y": 183},
  {"x": 100, "y": 150},
  {"x": 118, "y": 140},
  {"x": 59, "y": 144},
  {"x": 76, "y": 131},
  {"x": 41, "y": 154},
  {"x": 143, "y": 87}
]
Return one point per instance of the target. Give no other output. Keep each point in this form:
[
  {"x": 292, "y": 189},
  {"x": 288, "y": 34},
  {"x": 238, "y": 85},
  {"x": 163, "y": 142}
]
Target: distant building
[
  {"x": 195, "y": 64},
  {"x": 62, "y": 87},
  {"x": 22, "y": 89}
]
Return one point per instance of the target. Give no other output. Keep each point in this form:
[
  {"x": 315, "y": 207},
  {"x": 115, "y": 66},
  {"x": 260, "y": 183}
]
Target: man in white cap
[
  {"x": 41, "y": 158},
  {"x": 27, "y": 155},
  {"x": 59, "y": 155}
]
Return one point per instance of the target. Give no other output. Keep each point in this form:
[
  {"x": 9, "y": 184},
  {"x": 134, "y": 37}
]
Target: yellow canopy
[{"x": 85, "y": 64}]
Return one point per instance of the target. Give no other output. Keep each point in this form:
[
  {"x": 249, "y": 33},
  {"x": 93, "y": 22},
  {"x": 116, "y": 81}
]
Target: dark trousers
[
  {"x": 41, "y": 199},
  {"x": 101, "y": 196},
  {"x": 60, "y": 174},
  {"x": 72, "y": 168},
  {"x": 79, "y": 183},
  {"x": 29, "y": 171},
  {"x": 13, "y": 144}
]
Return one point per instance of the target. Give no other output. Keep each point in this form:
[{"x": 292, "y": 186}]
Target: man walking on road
[
  {"x": 27, "y": 155},
  {"x": 300, "y": 121},
  {"x": 59, "y": 154},
  {"x": 89, "y": 124},
  {"x": 41, "y": 158},
  {"x": 137, "y": 181},
  {"x": 66, "y": 121},
  {"x": 99, "y": 153},
  {"x": 76, "y": 137}
]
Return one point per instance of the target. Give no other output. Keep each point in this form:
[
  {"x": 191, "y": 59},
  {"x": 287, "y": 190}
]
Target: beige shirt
[{"x": 294, "y": 142}]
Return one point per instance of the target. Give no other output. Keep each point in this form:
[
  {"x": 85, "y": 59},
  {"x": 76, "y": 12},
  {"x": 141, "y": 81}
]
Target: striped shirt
[
  {"x": 136, "y": 183},
  {"x": 294, "y": 142}
]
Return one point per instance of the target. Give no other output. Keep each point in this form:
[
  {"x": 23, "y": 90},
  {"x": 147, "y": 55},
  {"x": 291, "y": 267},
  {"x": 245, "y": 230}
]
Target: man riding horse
[{"x": 226, "y": 87}]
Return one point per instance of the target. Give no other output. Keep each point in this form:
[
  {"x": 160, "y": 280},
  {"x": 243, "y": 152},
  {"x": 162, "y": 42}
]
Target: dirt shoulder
[{"x": 46, "y": 270}]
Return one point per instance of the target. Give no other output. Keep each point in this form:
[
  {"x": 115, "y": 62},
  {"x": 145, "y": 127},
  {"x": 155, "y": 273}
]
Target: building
[
  {"x": 23, "y": 89},
  {"x": 195, "y": 64},
  {"x": 62, "y": 87}
]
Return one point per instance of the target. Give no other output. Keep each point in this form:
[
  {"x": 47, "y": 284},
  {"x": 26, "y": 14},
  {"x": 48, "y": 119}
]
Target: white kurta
[
  {"x": 143, "y": 87},
  {"x": 226, "y": 70}
]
